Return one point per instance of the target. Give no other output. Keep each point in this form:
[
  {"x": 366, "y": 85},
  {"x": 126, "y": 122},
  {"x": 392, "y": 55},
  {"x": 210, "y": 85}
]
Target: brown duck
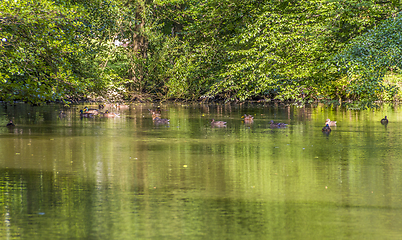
[
  {"x": 90, "y": 110},
  {"x": 330, "y": 123},
  {"x": 122, "y": 106},
  {"x": 110, "y": 114},
  {"x": 248, "y": 118},
  {"x": 217, "y": 123}
]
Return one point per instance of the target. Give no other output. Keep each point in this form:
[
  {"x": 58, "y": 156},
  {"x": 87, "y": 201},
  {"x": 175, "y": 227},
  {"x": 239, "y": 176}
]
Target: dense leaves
[
  {"x": 41, "y": 55},
  {"x": 369, "y": 57},
  {"x": 231, "y": 50}
]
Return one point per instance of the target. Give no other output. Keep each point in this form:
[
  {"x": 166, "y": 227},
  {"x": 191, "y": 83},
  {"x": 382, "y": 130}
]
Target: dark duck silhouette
[
  {"x": 158, "y": 120},
  {"x": 384, "y": 121},
  {"x": 326, "y": 129},
  {"x": 10, "y": 124},
  {"x": 277, "y": 125}
]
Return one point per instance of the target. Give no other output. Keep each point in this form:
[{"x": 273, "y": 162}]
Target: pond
[{"x": 67, "y": 177}]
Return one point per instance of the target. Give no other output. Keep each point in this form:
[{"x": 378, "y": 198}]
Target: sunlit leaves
[{"x": 370, "y": 56}]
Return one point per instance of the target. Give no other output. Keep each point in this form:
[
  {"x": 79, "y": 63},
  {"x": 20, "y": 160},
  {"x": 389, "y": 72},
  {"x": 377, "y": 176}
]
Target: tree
[
  {"x": 367, "y": 59},
  {"x": 42, "y": 53}
]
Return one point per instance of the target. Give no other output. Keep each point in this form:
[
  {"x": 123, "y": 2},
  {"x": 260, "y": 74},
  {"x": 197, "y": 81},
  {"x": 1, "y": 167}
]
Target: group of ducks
[
  {"x": 248, "y": 119},
  {"x": 329, "y": 124},
  {"x": 156, "y": 118},
  {"x": 90, "y": 112}
]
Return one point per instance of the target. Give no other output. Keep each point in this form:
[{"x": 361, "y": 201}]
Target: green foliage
[
  {"x": 282, "y": 47},
  {"x": 369, "y": 57},
  {"x": 40, "y": 50},
  {"x": 231, "y": 50},
  {"x": 51, "y": 49}
]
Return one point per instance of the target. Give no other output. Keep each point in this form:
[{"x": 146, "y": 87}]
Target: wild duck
[
  {"x": 86, "y": 114},
  {"x": 122, "y": 106},
  {"x": 277, "y": 125},
  {"x": 158, "y": 120},
  {"x": 326, "y": 128},
  {"x": 384, "y": 120},
  {"x": 152, "y": 111},
  {"x": 110, "y": 105},
  {"x": 156, "y": 116},
  {"x": 248, "y": 118},
  {"x": 218, "y": 123},
  {"x": 62, "y": 114},
  {"x": 10, "y": 124},
  {"x": 330, "y": 123},
  {"x": 91, "y": 110},
  {"x": 110, "y": 114}
]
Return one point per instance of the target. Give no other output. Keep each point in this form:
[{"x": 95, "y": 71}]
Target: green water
[{"x": 127, "y": 178}]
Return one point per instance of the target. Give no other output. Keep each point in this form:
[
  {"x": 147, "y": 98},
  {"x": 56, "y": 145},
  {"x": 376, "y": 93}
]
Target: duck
[
  {"x": 156, "y": 116},
  {"x": 218, "y": 123},
  {"x": 330, "y": 123},
  {"x": 154, "y": 111},
  {"x": 91, "y": 110},
  {"x": 110, "y": 115},
  {"x": 10, "y": 124},
  {"x": 248, "y": 118},
  {"x": 110, "y": 105},
  {"x": 86, "y": 114},
  {"x": 122, "y": 106},
  {"x": 277, "y": 125},
  {"x": 62, "y": 114},
  {"x": 326, "y": 128},
  {"x": 384, "y": 120},
  {"x": 158, "y": 120}
]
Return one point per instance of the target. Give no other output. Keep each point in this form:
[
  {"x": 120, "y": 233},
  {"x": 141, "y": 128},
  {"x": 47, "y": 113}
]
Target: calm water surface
[{"x": 127, "y": 178}]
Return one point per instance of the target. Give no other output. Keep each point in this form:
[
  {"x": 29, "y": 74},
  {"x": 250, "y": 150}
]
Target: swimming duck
[
  {"x": 91, "y": 110},
  {"x": 384, "y": 120},
  {"x": 121, "y": 106},
  {"x": 330, "y": 123},
  {"x": 326, "y": 128},
  {"x": 217, "y": 123},
  {"x": 248, "y": 118},
  {"x": 10, "y": 124},
  {"x": 277, "y": 125},
  {"x": 158, "y": 120},
  {"x": 110, "y": 105},
  {"x": 155, "y": 114},
  {"x": 110, "y": 115},
  {"x": 86, "y": 114},
  {"x": 154, "y": 111}
]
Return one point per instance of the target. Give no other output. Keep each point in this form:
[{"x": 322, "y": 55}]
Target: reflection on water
[{"x": 128, "y": 178}]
